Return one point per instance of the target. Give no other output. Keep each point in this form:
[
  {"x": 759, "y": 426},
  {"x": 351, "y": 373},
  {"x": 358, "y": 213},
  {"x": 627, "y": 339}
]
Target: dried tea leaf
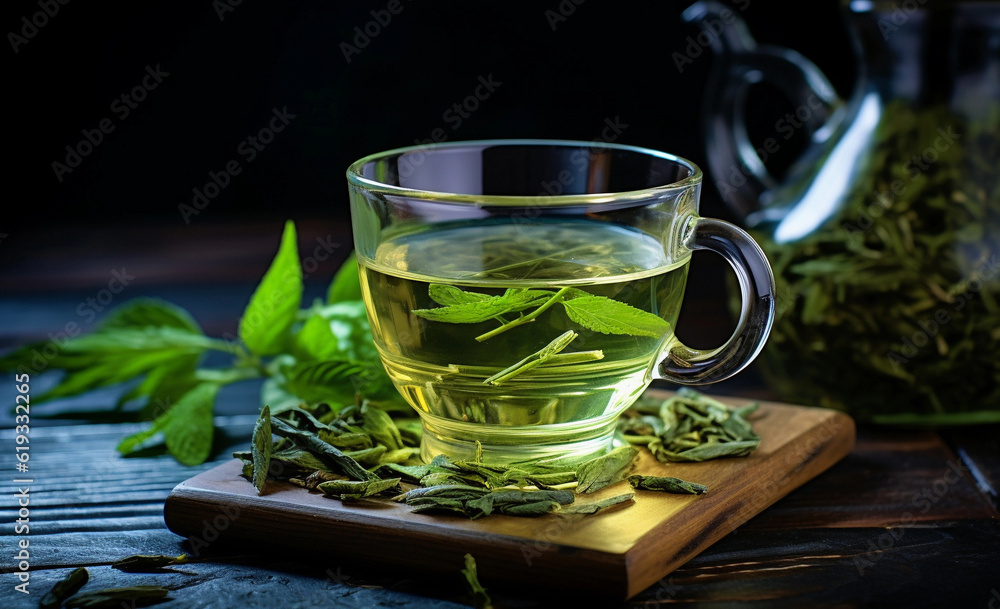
[
  {"x": 695, "y": 427},
  {"x": 115, "y": 598},
  {"x": 330, "y": 455},
  {"x": 379, "y": 425},
  {"x": 147, "y": 563},
  {"x": 261, "y": 448},
  {"x": 355, "y": 489},
  {"x": 538, "y": 508},
  {"x": 597, "y": 506},
  {"x": 605, "y": 470},
  {"x": 667, "y": 485},
  {"x": 64, "y": 588},
  {"x": 480, "y": 599}
]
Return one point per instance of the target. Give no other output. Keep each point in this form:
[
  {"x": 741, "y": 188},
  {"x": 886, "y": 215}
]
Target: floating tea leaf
[
  {"x": 667, "y": 485},
  {"x": 608, "y": 469},
  {"x": 64, "y": 588},
  {"x": 147, "y": 563}
]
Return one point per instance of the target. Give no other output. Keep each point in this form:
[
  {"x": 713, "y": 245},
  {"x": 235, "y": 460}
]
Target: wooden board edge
[
  {"x": 826, "y": 443},
  {"x": 500, "y": 558}
]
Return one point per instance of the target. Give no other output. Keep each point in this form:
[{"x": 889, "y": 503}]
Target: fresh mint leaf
[
  {"x": 115, "y": 356},
  {"x": 316, "y": 340},
  {"x": 186, "y": 427},
  {"x": 326, "y": 381},
  {"x": 275, "y": 303},
  {"x": 609, "y": 316},
  {"x": 346, "y": 284},
  {"x": 145, "y": 312},
  {"x": 349, "y": 324}
]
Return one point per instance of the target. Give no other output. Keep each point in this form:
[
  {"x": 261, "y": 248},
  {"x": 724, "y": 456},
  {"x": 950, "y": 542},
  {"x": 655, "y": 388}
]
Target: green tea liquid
[{"x": 440, "y": 367}]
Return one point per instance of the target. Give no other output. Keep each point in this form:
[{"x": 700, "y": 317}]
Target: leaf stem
[
  {"x": 527, "y": 318},
  {"x": 534, "y": 360},
  {"x": 224, "y": 377}
]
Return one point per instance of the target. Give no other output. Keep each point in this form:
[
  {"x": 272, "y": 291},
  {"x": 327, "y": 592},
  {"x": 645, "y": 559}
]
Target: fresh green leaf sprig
[{"x": 322, "y": 352}]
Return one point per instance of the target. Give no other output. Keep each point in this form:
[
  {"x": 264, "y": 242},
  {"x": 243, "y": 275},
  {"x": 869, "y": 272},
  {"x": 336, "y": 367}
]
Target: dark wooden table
[{"x": 908, "y": 519}]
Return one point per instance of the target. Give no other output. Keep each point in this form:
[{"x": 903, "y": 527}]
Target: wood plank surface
[
  {"x": 840, "y": 540},
  {"x": 620, "y": 552}
]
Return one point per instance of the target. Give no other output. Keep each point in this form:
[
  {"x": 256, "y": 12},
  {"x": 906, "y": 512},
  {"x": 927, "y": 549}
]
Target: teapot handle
[{"x": 740, "y": 174}]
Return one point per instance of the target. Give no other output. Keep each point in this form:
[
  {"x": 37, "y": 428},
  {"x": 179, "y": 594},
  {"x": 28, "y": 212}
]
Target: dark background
[{"x": 229, "y": 69}]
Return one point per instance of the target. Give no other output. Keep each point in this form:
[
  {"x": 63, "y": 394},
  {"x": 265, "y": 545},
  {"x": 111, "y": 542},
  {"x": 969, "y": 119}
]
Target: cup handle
[{"x": 686, "y": 366}]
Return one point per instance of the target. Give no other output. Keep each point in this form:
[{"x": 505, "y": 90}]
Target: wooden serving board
[{"x": 618, "y": 552}]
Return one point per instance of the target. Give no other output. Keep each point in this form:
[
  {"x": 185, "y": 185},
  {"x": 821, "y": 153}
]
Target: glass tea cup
[{"x": 523, "y": 293}]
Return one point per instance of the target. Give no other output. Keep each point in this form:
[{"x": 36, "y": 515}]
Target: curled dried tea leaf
[
  {"x": 597, "y": 506},
  {"x": 64, "y": 588},
  {"x": 357, "y": 489},
  {"x": 667, "y": 485},
  {"x": 147, "y": 563},
  {"x": 330, "y": 455},
  {"x": 606, "y": 469},
  {"x": 480, "y": 599},
  {"x": 261, "y": 448},
  {"x": 695, "y": 428},
  {"x": 115, "y": 598}
]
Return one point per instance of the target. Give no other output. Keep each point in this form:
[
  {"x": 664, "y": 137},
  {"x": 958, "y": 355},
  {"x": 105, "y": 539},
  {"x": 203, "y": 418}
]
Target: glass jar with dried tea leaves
[{"x": 884, "y": 236}]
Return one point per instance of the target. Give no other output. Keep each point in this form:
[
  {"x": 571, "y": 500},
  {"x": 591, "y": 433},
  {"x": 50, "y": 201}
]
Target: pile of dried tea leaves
[
  {"x": 891, "y": 310},
  {"x": 360, "y": 451},
  {"x": 690, "y": 426}
]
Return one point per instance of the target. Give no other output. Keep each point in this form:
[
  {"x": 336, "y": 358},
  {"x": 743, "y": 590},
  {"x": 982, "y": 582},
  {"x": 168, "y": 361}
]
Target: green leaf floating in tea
[{"x": 596, "y": 313}]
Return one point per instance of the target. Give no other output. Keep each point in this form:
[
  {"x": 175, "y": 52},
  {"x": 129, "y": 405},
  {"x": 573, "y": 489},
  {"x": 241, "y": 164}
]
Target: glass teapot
[{"x": 884, "y": 234}]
